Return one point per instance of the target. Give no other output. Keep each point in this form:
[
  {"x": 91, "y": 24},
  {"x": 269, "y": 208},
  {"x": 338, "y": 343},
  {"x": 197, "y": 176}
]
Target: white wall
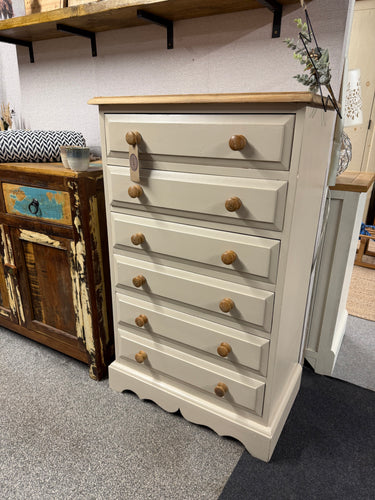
[
  {"x": 10, "y": 91},
  {"x": 225, "y": 53}
]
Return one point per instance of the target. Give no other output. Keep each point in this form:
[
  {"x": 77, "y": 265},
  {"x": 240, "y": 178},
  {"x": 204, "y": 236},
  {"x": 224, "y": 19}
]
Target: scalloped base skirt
[{"x": 259, "y": 437}]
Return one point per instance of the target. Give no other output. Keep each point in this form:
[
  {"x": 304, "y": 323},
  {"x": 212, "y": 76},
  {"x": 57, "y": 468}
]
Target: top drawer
[
  {"x": 44, "y": 204},
  {"x": 268, "y": 137}
]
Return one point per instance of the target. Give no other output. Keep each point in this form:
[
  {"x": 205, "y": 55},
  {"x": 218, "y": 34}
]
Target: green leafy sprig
[{"x": 315, "y": 74}]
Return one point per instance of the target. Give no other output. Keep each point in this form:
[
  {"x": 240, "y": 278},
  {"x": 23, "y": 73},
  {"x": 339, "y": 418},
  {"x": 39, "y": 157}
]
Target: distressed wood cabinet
[
  {"x": 211, "y": 251},
  {"x": 54, "y": 260}
]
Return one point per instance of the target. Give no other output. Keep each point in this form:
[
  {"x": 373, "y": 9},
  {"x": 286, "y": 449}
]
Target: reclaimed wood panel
[
  {"x": 49, "y": 205},
  {"x": 48, "y": 273}
]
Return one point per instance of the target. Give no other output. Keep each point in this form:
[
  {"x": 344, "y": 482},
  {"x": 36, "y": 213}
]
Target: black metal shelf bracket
[
  {"x": 23, "y": 43},
  {"x": 80, "y": 32},
  {"x": 161, "y": 21},
  {"x": 277, "y": 9}
]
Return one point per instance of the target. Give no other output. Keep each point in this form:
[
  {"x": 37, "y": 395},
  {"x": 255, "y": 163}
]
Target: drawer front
[
  {"x": 253, "y": 255},
  {"x": 38, "y": 203},
  {"x": 262, "y": 200},
  {"x": 249, "y": 304},
  {"x": 246, "y": 349},
  {"x": 268, "y": 137},
  {"x": 242, "y": 390}
]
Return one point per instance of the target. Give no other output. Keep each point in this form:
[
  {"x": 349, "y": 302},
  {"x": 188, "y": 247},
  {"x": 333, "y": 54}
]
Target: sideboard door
[{"x": 45, "y": 269}]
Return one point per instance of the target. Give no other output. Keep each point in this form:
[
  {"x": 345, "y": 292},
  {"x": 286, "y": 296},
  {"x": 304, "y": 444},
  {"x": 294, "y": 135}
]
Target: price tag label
[{"x": 134, "y": 163}]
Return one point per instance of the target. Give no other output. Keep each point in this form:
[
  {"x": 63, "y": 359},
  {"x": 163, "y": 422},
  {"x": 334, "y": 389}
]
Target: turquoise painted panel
[{"x": 38, "y": 202}]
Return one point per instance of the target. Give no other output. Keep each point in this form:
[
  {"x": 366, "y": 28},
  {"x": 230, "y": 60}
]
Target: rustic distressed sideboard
[
  {"x": 211, "y": 251},
  {"x": 54, "y": 272}
]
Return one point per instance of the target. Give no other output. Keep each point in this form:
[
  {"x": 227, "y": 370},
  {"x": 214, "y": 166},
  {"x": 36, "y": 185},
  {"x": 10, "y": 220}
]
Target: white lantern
[{"x": 353, "y": 99}]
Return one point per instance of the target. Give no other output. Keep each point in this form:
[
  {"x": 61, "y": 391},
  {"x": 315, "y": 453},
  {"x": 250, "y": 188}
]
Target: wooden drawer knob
[
  {"x": 229, "y": 257},
  {"x": 237, "y": 142},
  {"x": 141, "y": 320},
  {"x": 221, "y": 389},
  {"x": 135, "y": 191},
  {"x": 137, "y": 238},
  {"x": 226, "y": 305},
  {"x": 224, "y": 349},
  {"x": 139, "y": 280},
  {"x": 133, "y": 138},
  {"x": 140, "y": 357},
  {"x": 232, "y": 204}
]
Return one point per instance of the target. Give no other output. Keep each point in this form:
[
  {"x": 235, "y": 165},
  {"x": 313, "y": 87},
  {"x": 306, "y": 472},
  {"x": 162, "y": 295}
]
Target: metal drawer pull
[
  {"x": 137, "y": 238},
  {"x": 226, "y": 305},
  {"x": 139, "y": 280},
  {"x": 133, "y": 138},
  {"x": 141, "y": 320},
  {"x": 224, "y": 349},
  {"x": 237, "y": 142},
  {"x": 135, "y": 191},
  {"x": 140, "y": 357},
  {"x": 221, "y": 389},
  {"x": 232, "y": 204},
  {"x": 35, "y": 205},
  {"x": 229, "y": 257}
]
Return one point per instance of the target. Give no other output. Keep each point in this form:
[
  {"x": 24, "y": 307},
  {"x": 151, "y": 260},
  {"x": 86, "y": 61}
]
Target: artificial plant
[{"x": 317, "y": 71}]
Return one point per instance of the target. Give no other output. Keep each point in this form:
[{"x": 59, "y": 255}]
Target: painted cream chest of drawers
[{"x": 211, "y": 252}]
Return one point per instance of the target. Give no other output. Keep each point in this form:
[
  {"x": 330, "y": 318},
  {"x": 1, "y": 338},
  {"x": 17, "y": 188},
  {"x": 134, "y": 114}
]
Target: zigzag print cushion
[{"x": 36, "y": 145}]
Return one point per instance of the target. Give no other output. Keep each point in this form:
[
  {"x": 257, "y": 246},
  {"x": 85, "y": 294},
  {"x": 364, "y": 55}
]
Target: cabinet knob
[
  {"x": 139, "y": 280},
  {"x": 141, "y": 320},
  {"x": 224, "y": 349},
  {"x": 221, "y": 389},
  {"x": 232, "y": 204},
  {"x": 137, "y": 238},
  {"x": 133, "y": 138},
  {"x": 135, "y": 191},
  {"x": 237, "y": 142},
  {"x": 140, "y": 357},
  {"x": 229, "y": 257},
  {"x": 226, "y": 305}
]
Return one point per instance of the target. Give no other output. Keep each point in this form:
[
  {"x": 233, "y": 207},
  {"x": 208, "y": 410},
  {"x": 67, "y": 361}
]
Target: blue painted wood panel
[{"x": 38, "y": 203}]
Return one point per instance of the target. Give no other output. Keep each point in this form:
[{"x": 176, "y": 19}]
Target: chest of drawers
[{"x": 211, "y": 252}]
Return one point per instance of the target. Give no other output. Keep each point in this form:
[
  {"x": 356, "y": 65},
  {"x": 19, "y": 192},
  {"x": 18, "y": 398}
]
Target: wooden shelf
[
  {"x": 254, "y": 98},
  {"x": 354, "y": 181},
  {"x": 115, "y": 14}
]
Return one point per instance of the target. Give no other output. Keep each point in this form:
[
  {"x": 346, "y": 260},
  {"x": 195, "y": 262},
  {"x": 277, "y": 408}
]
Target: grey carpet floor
[
  {"x": 356, "y": 359},
  {"x": 65, "y": 436}
]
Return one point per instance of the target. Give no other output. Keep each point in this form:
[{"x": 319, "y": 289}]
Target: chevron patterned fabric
[{"x": 36, "y": 145}]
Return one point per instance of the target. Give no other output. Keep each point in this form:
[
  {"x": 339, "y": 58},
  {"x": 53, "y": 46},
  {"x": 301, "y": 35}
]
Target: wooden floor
[{"x": 362, "y": 292}]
